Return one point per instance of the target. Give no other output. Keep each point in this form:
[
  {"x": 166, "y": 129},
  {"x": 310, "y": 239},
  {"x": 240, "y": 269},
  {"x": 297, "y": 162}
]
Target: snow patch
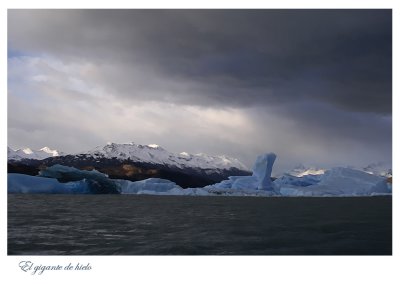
[{"x": 154, "y": 146}]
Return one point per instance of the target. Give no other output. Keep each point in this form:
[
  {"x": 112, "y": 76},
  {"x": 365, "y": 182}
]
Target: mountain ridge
[
  {"x": 138, "y": 162},
  {"x": 28, "y": 153},
  {"x": 151, "y": 153}
]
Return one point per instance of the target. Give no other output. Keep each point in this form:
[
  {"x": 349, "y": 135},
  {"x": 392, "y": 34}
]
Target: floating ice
[
  {"x": 148, "y": 186},
  {"x": 262, "y": 170},
  {"x": 305, "y": 180},
  {"x": 334, "y": 182},
  {"x": 260, "y": 179},
  {"x": 19, "y": 183},
  {"x": 98, "y": 182},
  {"x": 340, "y": 182}
]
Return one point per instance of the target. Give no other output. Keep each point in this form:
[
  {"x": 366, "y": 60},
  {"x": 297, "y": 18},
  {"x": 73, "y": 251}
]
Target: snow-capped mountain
[
  {"x": 376, "y": 169},
  {"x": 133, "y": 162},
  {"x": 379, "y": 169},
  {"x": 155, "y": 154},
  {"x": 28, "y": 153},
  {"x": 302, "y": 170},
  {"x": 151, "y": 153}
]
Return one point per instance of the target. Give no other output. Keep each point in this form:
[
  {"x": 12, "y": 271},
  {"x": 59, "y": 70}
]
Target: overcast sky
[{"x": 313, "y": 86}]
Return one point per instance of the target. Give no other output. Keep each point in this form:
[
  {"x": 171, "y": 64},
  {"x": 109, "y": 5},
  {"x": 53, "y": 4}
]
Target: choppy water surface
[{"x": 182, "y": 225}]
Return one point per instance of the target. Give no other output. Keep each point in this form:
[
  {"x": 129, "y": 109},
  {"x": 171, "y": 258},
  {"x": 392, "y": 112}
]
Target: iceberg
[
  {"x": 20, "y": 183},
  {"x": 157, "y": 186},
  {"x": 259, "y": 180},
  {"x": 340, "y": 182},
  {"x": 334, "y": 182},
  {"x": 148, "y": 186},
  {"x": 303, "y": 181},
  {"x": 98, "y": 182},
  {"x": 263, "y": 169}
]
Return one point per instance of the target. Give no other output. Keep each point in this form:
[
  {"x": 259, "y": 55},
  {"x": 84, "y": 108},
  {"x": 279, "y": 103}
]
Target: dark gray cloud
[
  {"x": 329, "y": 71},
  {"x": 247, "y": 56}
]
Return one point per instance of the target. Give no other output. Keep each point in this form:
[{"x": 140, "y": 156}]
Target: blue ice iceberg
[
  {"x": 259, "y": 180},
  {"x": 98, "y": 183},
  {"x": 262, "y": 170},
  {"x": 301, "y": 181},
  {"x": 148, "y": 186},
  {"x": 340, "y": 182},
  {"x": 19, "y": 183},
  {"x": 334, "y": 182}
]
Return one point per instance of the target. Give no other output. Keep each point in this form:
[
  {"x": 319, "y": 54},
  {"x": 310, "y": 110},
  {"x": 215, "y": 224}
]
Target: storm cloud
[{"x": 315, "y": 86}]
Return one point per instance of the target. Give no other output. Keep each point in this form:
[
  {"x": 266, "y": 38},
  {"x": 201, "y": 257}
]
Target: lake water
[{"x": 184, "y": 225}]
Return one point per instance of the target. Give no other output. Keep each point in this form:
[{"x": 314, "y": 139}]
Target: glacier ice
[
  {"x": 245, "y": 182},
  {"x": 98, "y": 182},
  {"x": 334, "y": 182},
  {"x": 260, "y": 179},
  {"x": 20, "y": 183},
  {"x": 340, "y": 182},
  {"x": 351, "y": 180},
  {"x": 304, "y": 180},
  {"x": 157, "y": 186},
  {"x": 263, "y": 169},
  {"x": 148, "y": 186}
]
